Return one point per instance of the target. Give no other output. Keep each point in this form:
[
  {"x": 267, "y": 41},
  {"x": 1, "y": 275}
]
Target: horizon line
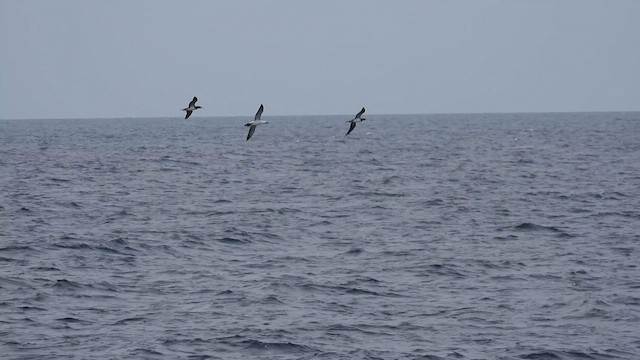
[{"x": 309, "y": 115}]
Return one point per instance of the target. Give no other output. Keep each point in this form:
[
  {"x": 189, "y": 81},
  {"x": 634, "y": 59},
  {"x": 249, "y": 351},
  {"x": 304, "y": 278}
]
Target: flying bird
[
  {"x": 192, "y": 106},
  {"x": 355, "y": 120},
  {"x": 256, "y": 121}
]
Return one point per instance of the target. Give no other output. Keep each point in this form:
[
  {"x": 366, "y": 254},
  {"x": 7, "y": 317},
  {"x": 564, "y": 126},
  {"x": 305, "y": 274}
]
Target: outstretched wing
[
  {"x": 259, "y": 113},
  {"x": 353, "y": 126},
  {"x": 252, "y": 129},
  {"x": 193, "y": 102},
  {"x": 188, "y": 114},
  {"x": 360, "y": 113}
]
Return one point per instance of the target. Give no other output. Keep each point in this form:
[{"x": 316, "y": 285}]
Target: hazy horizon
[
  {"x": 146, "y": 59},
  {"x": 328, "y": 115}
]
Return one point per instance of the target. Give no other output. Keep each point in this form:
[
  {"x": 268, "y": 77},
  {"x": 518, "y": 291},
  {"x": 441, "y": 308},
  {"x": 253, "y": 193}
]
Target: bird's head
[{"x": 198, "y": 107}]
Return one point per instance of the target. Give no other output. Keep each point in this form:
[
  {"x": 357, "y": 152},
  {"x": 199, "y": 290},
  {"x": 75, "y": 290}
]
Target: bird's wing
[
  {"x": 259, "y": 113},
  {"x": 252, "y": 129},
  {"x": 188, "y": 114},
  {"x": 353, "y": 126},
  {"x": 193, "y": 102},
  {"x": 360, "y": 113}
]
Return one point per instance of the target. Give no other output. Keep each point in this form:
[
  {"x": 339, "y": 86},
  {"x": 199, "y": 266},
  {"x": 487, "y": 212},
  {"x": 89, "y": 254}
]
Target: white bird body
[{"x": 256, "y": 123}]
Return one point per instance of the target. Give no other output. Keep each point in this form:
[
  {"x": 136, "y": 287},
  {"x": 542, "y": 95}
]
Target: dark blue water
[{"x": 511, "y": 236}]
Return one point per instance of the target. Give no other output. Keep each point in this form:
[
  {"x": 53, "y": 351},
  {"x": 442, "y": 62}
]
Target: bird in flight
[
  {"x": 192, "y": 106},
  {"x": 355, "y": 120},
  {"x": 256, "y": 121}
]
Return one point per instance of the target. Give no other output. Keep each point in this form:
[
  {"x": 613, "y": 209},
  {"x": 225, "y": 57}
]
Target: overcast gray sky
[{"x": 143, "y": 58}]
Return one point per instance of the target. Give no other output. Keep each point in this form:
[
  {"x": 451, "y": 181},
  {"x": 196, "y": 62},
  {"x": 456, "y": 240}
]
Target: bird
[
  {"x": 256, "y": 121},
  {"x": 355, "y": 120},
  {"x": 192, "y": 106}
]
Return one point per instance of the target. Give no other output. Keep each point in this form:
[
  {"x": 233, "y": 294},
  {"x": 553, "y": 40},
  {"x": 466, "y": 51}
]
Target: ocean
[{"x": 471, "y": 236}]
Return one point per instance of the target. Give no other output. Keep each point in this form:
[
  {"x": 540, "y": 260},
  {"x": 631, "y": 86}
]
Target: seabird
[
  {"x": 256, "y": 121},
  {"x": 355, "y": 120},
  {"x": 192, "y": 106}
]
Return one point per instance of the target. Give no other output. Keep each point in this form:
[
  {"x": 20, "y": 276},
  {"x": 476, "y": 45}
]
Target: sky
[{"x": 148, "y": 58}]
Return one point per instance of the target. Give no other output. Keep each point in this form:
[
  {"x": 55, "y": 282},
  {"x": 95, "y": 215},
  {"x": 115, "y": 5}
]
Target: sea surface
[{"x": 488, "y": 236}]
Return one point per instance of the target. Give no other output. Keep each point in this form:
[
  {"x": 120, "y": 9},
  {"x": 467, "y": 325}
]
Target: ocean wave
[
  {"x": 533, "y": 228},
  {"x": 233, "y": 241}
]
